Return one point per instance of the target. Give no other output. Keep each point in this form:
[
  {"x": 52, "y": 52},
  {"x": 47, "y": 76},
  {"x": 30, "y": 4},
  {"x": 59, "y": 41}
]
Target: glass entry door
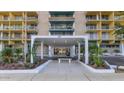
[{"x": 62, "y": 52}]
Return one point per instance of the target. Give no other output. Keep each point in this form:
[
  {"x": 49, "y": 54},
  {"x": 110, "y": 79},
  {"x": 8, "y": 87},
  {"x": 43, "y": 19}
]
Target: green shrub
[
  {"x": 18, "y": 52},
  {"x": 95, "y": 55},
  {"x": 105, "y": 51},
  {"x": 7, "y": 55},
  {"x": 116, "y": 51}
]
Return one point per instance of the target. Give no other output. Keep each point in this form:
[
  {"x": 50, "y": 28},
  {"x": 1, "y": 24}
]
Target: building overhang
[{"x": 60, "y": 40}]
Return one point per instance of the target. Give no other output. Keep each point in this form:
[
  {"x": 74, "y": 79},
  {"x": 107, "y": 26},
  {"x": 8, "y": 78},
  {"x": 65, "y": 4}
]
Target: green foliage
[
  {"x": 82, "y": 49},
  {"x": 7, "y": 55},
  {"x": 33, "y": 52},
  {"x": 116, "y": 51},
  {"x": 18, "y": 52},
  {"x": 105, "y": 51},
  {"x": 95, "y": 55},
  {"x": 119, "y": 30}
]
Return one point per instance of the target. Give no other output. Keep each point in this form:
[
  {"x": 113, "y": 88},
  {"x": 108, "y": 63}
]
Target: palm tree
[{"x": 119, "y": 28}]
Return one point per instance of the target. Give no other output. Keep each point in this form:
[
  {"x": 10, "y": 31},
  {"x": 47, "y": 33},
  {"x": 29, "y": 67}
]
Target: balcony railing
[
  {"x": 107, "y": 28},
  {"x": 28, "y": 36},
  {"x": 5, "y": 38},
  {"x": 91, "y": 28},
  {"x": 5, "y": 19},
  {"x": 31, "y": 18},
  {"x": 61, "y": 29},
  {"x": 105, "y": 37},
  {"x": 61, "y": 19},
  {"x": 16, "y": 37},
  {"x": 31, "y": 28},
  {"x": 19, "y": 28},
  {"x": 93, "y": 38},
  {"x": 91, "y": 19},
  {"x": 17, "y": 19},
  {"x": 5, "y": 28},
  {"x": 119, "y": 18}
]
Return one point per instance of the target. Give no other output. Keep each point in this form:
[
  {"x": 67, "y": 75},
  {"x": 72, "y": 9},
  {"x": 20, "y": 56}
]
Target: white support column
[
  {"x": 79, "y": 52},
  {"x": 86, "y": 51},
  {"x": 32, "y": 43},
  {"x": 122, "y": 48},
  {"x": 73, "y": 50},
  {"x": 41, "y": 50},
  {"x": 50, "y": 51},
  {"x": 1, "y": 43},
  {"x": 1, "y": 46}
]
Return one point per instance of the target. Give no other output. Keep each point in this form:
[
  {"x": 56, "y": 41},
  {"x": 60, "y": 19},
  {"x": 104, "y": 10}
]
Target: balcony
[
  {"x": 105, "y": 37},
  {"x": 5, "y": 38},
  {"x": 107, "y": 28},
  {"x": 17, "y": 19},
  {"x": 61, "y": 33},
  {"x": 119, "y": 18},
  {"x": 89, "y": 28},
  {"x": 31, "y": 18},
  {"x": 91, "y": 18},
  {"x": 61, "y": 28},
  {"x": 34, "y": 28},
  {"x": 93, "y": 36},
  {"x": 16, "y": 37},
  {"x": 16, "y": 28},
  {"x": 5, "y": 28},
  {"x": 61, "y": 18},
  {"x": 6, "y": 18},
  {"x": 61, "y": 12},
  {"x": 28, "y": 36}
]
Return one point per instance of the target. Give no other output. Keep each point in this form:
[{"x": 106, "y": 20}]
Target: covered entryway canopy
[{"x": 61, "y": 41}]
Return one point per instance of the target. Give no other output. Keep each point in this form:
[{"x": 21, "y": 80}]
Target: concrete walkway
[{"x": 63, "y": 72}]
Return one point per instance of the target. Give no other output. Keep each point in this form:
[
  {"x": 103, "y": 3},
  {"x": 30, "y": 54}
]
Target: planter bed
[
  {"x": 107, "y": 69},
  {"x": 105, "y": 66},
  {"x": 21, "y": 65},
  {"x": 24, "y": 69}
]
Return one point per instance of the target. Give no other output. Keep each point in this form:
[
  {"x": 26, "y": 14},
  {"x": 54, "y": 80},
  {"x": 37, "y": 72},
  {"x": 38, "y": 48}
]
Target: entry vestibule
[{"x": 63, "y": 45}]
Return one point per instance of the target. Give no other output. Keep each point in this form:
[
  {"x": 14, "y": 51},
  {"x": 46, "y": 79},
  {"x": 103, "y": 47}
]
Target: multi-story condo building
[{"x": 16, "y": 29}]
